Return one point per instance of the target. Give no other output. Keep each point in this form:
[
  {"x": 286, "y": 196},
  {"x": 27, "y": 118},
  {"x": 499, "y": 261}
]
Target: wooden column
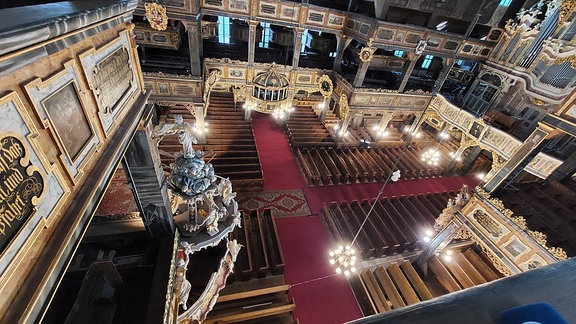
[
  {"x": 408, "y": 71},
  {"x": 341, "y": 43},
  {"x": 251, "y": 40},
  {"x": 448, "y": 64},
  {"x": 521, "y": 157},
  {"x": 194, "y": 31},
  {"x": 297, "y": 45},
  {"x": 360, "y": 74}
]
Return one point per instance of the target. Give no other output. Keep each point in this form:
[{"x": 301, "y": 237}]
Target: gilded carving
[
  {"x": 497, "y": 161},
  {"x": 488, "y": 223},
  {"x": 344, "y": 108},
  {"x": 156, "y": 15},
  {"x": 570, "y": 59},
  {"x": 367, "y": 52}
]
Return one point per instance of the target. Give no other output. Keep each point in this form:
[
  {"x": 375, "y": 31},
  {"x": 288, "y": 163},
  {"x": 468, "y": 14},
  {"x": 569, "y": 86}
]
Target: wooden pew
[
  {"x": 387, "y": 232},
  {"x": 480, "y": 265},
  {"x": 457, "y": 272},
  {"x": 270, "y": 233},
  {"x": 402, "y": 283},
  {"x": 372, "y": 232},
  {"x": 415, "y": 280},
  {"x": 374, "y": 291},
  {"x": 443, "y": 275},
  {"x": 244, "y": 267},
  {"x": 389, "y": 287},
  {"x": 362, "y": 295},
  {"x": 259, "y": 254},
  {"x": 468, "y": 268}
]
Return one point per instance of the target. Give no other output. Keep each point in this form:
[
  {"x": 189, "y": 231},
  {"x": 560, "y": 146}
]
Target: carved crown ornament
[
  {"x": 367, "y": 52},
  {"x": 520, "y": 221},
  {"x": 156, "y": 15}
]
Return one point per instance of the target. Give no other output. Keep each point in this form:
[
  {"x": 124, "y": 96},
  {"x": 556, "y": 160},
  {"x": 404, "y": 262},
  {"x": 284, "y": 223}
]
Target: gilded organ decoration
[
  {"x": 21, "y": 188},
  {"x": 112, "y": 78}
]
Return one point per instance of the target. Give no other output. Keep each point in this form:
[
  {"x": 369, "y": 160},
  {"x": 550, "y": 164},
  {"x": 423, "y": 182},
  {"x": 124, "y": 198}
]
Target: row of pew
[
  {"x": 465, "y": 269},
  {"x": 304, "y": 128},
  {"x": 328, "y": 166},
  {"x": 230, "y": 143},
  {"x": 261, "y": 254},
  {"x": 399, "y": 284},
  {"x": 267, "y": 304},
  {"x": 386, "y": 288},
  {"x": 396, "y": 225}
]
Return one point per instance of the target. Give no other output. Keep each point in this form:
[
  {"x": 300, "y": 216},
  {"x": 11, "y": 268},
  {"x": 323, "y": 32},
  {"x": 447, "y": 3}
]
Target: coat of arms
[{"x": 156, "y": 15}]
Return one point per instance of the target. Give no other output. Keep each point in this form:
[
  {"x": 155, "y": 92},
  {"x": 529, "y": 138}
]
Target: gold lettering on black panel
[
  {"x": 112, "y": 78},
  {"x": 21, "y": 187}
]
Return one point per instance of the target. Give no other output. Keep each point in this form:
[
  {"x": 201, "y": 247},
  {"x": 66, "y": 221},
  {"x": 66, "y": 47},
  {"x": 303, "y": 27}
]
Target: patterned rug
[{"x": 283, "y": 203}]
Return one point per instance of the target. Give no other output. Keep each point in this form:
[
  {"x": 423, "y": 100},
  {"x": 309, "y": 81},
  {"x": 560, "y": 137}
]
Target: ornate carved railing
[{"x": 490, "y": 137}]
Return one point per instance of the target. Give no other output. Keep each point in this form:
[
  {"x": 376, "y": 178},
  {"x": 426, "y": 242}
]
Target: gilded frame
[
  {"x": 16, "y": 121},
  {"x": 39, "y": 90}
]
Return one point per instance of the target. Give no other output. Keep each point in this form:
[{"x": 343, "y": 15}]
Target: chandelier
[
  {"x": 431, "y": 156},
  {"x": 344, "y": 260}
]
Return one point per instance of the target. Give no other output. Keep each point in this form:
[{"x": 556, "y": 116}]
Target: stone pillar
[
  {"x": 297, "y": 45},
  {"x": 408, "y": 71},
  {"x": 144, "y": 171},
  {"x": 448, "y": 64},
  {"x": 566, "y": 169},
  {"x": 521, "y": 157},
  {"x": 341, "y": 43},
  {"x": 194, "y": 31},
  {"x": 360, "y": 74},
  {"x": 251, "y": 40}
]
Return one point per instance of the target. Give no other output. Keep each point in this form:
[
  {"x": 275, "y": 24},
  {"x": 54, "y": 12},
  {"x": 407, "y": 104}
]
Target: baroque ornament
[
  {"x": 156, "y": 15},
  {"x": 367, "y": 52}
]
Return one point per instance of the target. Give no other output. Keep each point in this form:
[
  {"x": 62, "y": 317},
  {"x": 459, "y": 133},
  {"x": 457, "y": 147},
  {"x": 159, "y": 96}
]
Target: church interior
[{"x": 266, "y": 161}]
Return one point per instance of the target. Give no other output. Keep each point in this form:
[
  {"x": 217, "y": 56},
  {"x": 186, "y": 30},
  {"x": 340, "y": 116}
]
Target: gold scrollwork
[
  {"x": 367, "y": 52},
  {"x": 156, "y": 15},
  {"x": 325, "y": 85},
  {"x": 571, "y": 59},
  {"x": 344, "y": 108},
  {"x": 568, "y": 7}
]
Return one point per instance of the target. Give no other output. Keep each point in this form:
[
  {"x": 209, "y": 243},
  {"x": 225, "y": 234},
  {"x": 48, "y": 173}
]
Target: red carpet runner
[{"x": 320, "y": 296}]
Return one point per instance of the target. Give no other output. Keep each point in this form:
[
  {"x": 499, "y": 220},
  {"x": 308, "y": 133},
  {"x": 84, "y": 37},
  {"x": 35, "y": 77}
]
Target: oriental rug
[{"x": 284, "y": 203}]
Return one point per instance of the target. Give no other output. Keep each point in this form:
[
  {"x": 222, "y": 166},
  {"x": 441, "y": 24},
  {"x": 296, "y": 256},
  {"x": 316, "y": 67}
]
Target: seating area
[
  {"x": 230, "y": 143},
  {"x": 399, "y": 284},
  {"x": 262, "y": 253},
  {"x": 549, "y": 207},
  {"x": 255, "y": 291},
  {"x": 465, "y": 269},
  {"x": 395, "y": 226},
  {"x": 386, "y": 288},
  {"x": 266, "y": 301},
  {"x": 305, "y": 129}
]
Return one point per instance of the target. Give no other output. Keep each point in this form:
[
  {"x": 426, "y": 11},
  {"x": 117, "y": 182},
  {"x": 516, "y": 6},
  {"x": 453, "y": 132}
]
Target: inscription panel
[{"x": 20, "y": 190}]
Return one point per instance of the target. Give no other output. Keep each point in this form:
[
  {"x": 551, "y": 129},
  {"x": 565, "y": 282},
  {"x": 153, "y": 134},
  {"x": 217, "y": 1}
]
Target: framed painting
[
  {"x": 68, "y": 119},
  {"x": 61, "y": 107}
]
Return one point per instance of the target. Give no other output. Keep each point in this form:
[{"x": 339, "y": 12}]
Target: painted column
[
  {"x": 251, "y": 40},
  {"x": 360, "y": 74},
  {"x": 521, "y": 157},
  {"x": 324, "y": 108},
  {"x": 194, "y": 31},
  {"x": 297, "y": 45},
  {"x": 413, "y": 59},
  {"x": 341, "y": 43},
  {"x": 201, "y": 127},
  {"x": 448, "y": 64}
]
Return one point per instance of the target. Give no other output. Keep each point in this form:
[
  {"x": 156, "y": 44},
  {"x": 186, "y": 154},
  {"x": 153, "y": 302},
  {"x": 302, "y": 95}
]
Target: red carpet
[
  {"x": 279, "y": 166},
  {"x": 305, "y": 245}
]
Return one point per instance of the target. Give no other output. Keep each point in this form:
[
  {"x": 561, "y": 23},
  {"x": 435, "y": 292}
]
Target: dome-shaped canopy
[
  {"x": 270, "y": 85},
  {"x": 271, "y": 79}
]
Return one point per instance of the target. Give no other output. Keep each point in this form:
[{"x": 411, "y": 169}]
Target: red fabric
[
  {"x": 279, "y": 166},
  {"x": 320, "y": 296}
]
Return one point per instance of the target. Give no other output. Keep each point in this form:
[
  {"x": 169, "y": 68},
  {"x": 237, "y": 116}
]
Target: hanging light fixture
[
  {"x": 431, "y": 156},
  {"x": 344, "y": 260}
]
